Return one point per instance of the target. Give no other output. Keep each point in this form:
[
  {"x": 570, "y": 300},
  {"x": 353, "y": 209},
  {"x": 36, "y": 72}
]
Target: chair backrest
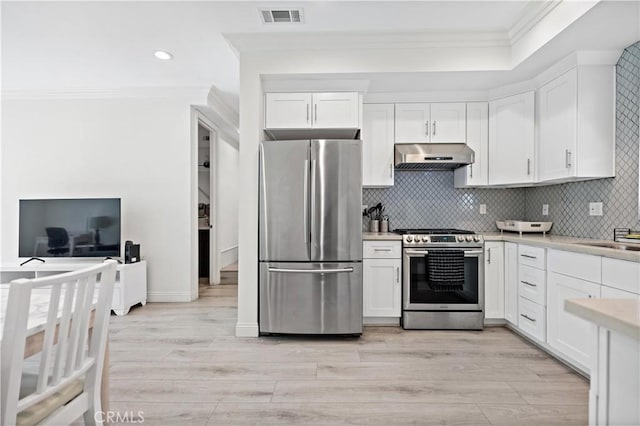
[
  {"x": 77, "y": 301},
  {"x": 58, "y": 237}
]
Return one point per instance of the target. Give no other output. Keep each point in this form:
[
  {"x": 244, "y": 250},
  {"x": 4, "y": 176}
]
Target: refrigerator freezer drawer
[{"x": 311, "y": 298}]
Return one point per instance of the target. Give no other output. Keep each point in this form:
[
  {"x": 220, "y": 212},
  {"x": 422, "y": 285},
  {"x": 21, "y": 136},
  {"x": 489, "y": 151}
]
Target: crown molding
[
  {"x": 249, "y": 42},
  {"x": 199, "y": 94},
  {"x": 534, "y": 13},
  {"x": 223, "y": 109}
]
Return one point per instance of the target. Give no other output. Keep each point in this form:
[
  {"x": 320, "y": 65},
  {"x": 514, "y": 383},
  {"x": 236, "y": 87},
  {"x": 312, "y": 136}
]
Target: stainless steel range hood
[{"x": 432, "y": 156}]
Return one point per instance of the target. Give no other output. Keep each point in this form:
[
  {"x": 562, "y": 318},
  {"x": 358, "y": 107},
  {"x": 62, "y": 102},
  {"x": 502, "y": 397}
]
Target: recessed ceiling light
[{"x": 163, "y": 54}]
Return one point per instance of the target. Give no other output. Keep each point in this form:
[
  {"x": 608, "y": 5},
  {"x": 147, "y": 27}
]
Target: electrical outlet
[
  {"x": 545, "y": 210},
  {"x": 483, "y": 209},
  {"x": 595, "y": 209}
]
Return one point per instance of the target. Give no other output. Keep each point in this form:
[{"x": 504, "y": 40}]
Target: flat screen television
[{"x": 82, "y": 227}]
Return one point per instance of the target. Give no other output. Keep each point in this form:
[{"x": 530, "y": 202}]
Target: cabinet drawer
[
  {"x": 382, "y": 249},
  {"x": 531, "y": 319},
  {"x": 621, "y": 274},
  {"x": 583, "y": 266},
  {"x": 531, "y": 256},
  {"x": 614, "y": 293},
  {"x": 532, "y": 284}
]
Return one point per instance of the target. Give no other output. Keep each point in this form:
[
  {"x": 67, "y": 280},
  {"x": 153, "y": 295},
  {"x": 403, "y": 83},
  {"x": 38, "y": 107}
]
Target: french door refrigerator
[{"x": 310, "y": 238}]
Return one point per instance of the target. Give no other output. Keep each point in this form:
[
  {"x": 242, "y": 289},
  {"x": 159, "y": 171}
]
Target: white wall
[
  {"x": 227, "y": 185},
  {"x": 135, "y": 149}
]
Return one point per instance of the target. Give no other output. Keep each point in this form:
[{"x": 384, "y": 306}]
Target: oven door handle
[
  {"x": 425, "y": 252},
  {"x": 416, "y": 252}
]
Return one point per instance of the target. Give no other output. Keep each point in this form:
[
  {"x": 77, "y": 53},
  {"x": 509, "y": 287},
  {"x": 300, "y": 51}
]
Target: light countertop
[
  {"x": 563, "y": 243},
  {"x": 621, "y": 315},
  {"x": 550, "y": 241},
  {"x": 377, "y": 236}
]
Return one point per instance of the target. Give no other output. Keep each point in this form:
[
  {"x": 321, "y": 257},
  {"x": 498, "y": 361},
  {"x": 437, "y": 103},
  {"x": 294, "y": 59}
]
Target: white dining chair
[{"x": 68, "y": 380}]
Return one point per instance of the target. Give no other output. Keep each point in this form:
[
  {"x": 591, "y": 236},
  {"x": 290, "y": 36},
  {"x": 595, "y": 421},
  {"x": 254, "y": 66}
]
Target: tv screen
[{"x": 83, "y": 227}]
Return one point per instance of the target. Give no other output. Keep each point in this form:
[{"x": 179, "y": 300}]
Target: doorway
[{"x": 207, "y": 259}]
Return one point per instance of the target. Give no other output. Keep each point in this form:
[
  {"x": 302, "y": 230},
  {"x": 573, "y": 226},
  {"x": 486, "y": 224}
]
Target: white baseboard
[
  {"x": 247, "y": 330},
  {"x": 383, "y": 321},
  {"x": 168, "y": 296}
]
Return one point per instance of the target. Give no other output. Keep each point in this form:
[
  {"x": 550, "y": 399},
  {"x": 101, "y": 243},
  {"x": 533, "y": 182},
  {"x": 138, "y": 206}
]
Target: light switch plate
[
  {"x": 483, "y": 209},
  {"x": 595, "y": 209},
  {"x": 545, "y": 210}
]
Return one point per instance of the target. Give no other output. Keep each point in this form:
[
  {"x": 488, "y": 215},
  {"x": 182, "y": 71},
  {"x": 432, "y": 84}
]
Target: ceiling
[{"x": 100, "y": 45}]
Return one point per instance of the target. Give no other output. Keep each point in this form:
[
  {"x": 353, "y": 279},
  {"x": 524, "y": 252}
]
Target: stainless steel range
[{"x": 443, "y": 279}]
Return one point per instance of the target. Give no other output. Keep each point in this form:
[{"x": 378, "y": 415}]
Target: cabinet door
[
  {"x": 377, "y": 145},
  {"x": 494, "y": 280},
  {"x": 336, "y": 110},
  {"x": 558, "y": 115},
  {"x": 381, "y": 287},
  {"x": 511, "y": 149},
  {"x": 287, "y": 110},
  {"x": 412, "y": 123},
  {"x": 511, "y": 282},
  {"x": 567, "y": 333},
  {"x": 475, "y": 174},
  {"x": 448, "y": 123}
]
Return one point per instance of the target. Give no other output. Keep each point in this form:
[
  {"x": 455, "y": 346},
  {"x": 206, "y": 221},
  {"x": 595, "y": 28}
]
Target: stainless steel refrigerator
[{"x": 310, "y": 244}]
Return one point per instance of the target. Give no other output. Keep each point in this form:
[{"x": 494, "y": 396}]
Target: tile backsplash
[
  {"x": 428, "y": 199},
  {"x": 569, "y": 203}
]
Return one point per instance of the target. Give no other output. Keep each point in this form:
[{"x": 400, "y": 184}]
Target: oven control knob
[
  {"x": 460, "y": 238},
  {"x": 425, "y": 239},
  {"x": 409, "y": 238},
  {"x": 476, "y": 238},
  {"x": 469, "y": 238}
]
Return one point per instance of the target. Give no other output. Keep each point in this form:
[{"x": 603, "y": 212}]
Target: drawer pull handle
[
  {"x": 528, "y": 256},
  {"x": 381, "y": 249},
  {"x": 529, "y": 318},
  {"x": 529, "y": 284}
]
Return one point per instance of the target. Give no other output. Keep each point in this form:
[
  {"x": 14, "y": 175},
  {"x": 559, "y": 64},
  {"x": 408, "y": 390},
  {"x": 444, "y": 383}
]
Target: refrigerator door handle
[
  {"x": 313, "y": 200},
  {"x": 305, "y": 212},
  {"x": 311, "y": 271}
]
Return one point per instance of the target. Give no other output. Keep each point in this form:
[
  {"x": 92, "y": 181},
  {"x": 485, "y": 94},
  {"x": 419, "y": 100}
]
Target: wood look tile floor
[{"x": 180, "y": 364}]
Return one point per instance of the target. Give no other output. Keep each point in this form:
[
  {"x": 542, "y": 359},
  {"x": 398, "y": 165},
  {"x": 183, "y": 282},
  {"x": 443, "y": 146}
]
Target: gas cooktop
[{"x": 432, "y": 231}]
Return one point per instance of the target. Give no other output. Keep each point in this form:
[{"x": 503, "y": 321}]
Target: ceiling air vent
[{"x": 291, "y": 16}]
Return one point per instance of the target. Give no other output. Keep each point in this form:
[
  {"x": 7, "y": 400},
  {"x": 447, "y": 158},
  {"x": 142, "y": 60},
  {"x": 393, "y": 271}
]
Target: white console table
[{"x": 129, "y": 289}]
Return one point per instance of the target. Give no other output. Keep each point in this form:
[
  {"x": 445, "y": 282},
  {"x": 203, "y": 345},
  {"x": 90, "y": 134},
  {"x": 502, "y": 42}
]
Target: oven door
[{"x": 420, "y": 295}]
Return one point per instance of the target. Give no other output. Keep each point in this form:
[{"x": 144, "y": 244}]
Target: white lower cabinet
[
  {"x": 511, "y": 282},
  {"x": 494, "y": 280},
  {"x": 531, "y": 319},
  {"x": 566, "y": 333},
  {"x": 382, "y": 279},
  {"x": 382, "y": 289}
]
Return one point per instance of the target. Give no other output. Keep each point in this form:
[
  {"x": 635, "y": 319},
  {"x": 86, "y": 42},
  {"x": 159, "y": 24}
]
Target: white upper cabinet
[
  {"x": 377, "y": 145},
  {"x": 476, "y": 174},
  {"x": 312, "y": 110},
  {"x": 336, "y": 110},
  {"x": 448, "y": 123},
  {"x": 288, "y": 110},
  {"x": 511, "y": 140},
  {"x": 576, "y": 125},
  {"x": 412, "y": 123},
  {"x": 431, "y": 123}
]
